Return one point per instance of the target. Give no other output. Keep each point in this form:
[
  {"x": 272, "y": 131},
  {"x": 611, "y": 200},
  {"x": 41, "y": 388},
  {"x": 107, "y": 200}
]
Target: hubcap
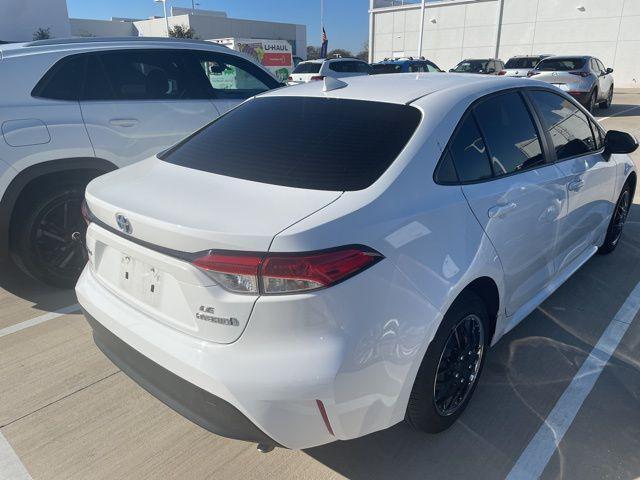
[
  {"x": 459, "y": 365},
  {"x": 52, "y": 238},
  {"x": 620, "y": 216}
]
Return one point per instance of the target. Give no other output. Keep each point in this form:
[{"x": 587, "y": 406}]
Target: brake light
[
  {"x": 531, "y": 73},
  {"x": 581, "y": 74},
  {"x": 85, "y": 212},
  {"x": 277, "y": 273},
  {"x": 317, "y": 77},
  {"x": 289, "y": 78},
  {"x": 502, "y": 72}
]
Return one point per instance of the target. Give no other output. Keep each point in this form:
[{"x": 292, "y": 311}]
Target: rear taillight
[
  {"x": 86, "y": 213},
  {"x": 581, "y": 74},
  {"x": 317, "y": 77},
  {"x": 531, "y": 73},
  {"x": 502, "y": 72},
  {"x": 275, "y": 273},
  {"x": 289, "y": 78}
]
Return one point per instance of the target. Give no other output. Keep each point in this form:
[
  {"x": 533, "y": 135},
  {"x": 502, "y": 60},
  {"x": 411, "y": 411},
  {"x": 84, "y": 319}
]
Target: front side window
[
  {"x": 568, "y": 126},
  {"x": 338, "y": 145},
  {"x": 472, "y": 66},
  {"x": 469, "y": 152},
  {"x": 232, "y": 77},
  {"x": 511, "y": 137}
]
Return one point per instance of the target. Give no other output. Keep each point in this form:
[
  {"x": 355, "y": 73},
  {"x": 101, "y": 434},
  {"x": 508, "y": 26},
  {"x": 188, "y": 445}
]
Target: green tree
[
  {"x": 182, "y": 31},
  {"x": 42, "y": 34}
]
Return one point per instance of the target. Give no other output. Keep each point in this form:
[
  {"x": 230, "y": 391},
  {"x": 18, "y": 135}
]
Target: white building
[
  {"x": 20, "y": 19},
  {"x": 457, "y": 29}
]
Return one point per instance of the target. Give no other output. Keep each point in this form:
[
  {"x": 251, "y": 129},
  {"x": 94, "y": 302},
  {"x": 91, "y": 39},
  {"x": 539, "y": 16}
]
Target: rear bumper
[
  {"x": 582, "y": 97},
  {"x": 201, "y": 407}
]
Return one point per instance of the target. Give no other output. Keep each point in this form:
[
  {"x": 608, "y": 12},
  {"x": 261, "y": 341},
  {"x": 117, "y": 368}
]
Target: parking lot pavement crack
[{"x": 60, "y": 399}]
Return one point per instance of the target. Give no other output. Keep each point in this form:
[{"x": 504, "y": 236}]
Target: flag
[{"x": 325, "y": 44}]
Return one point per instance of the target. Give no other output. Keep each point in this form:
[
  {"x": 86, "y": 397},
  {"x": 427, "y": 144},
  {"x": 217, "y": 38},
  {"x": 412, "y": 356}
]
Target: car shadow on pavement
[
  {"x": 16, "y": 283},
  {"x": 525, "y": 374},
  {"x": 618, "y": 110}
]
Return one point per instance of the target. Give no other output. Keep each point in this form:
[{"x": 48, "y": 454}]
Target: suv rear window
[
  {"x": 523, "y": 62},
  {"x": 308, "y": 67},
  {"x": 561, "y": 64},
  {"x": 303, "y": 142}
]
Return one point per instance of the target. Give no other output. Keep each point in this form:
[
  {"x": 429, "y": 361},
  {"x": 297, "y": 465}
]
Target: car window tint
[
  {"x": 522, "y": 62},
  {"x": 229, "y": 76},
  {"x": 560, "y": 64},
  {"x": 381, "y": 68},
  {"x": 567, "y": 124},
  {"x": 308, "y": 67},
  {"x": 511, "y": 137},
  {"x": 362, "y": 67},
  {"x": 63, "y": 81},
  {"x": 430, "y": 67},
  {"x": 445, "y": 171},
  {"x": 97, "y": 85},
  {"x": 338, "y": 144},
  {"x": 338, "y": 66},
  {"x": 469, "y": 152},
  {"x": 147, "y": 74},
  {"x": 416, "y": 67}
]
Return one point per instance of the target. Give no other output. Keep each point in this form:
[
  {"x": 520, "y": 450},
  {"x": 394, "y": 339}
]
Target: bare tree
[
  {"x": 313, "y": 53},
  {"x": 182, "y": 31},
  {"x": 42, "y": 34},
  {"x": 364, "y": 53}
]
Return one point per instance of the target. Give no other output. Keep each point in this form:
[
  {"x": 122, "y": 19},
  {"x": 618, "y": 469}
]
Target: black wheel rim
[
  {"x": 51, "y": 238},
  {"x": 620, "y": 217},
  {"x": 592, "y": 102},
  {"x": 610, "y": 98},
  {"x": 459, "y": 365}
]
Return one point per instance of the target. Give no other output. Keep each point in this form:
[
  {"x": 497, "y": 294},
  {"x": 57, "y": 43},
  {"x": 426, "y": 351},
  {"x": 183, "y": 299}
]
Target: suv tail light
[
  {"x": 502, "y": 72},
  {"x": 317, "y": 77},
  {"x": 85, "y": 212},
  {"x": 279, "y": 273},
  {"x": 289, "y": 78},
  {"x": 581, "y": 74}
]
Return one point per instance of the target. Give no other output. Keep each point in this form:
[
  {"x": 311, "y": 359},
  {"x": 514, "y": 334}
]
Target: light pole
[
  {"x": 421, "y": 37},
  {"x": 164, "y": 7}
]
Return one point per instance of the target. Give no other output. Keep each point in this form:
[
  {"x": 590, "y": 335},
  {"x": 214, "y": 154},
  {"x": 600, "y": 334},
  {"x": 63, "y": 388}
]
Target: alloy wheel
[
  {"x": 620, "y": 216},
  {"x": 459, "y": 365}
]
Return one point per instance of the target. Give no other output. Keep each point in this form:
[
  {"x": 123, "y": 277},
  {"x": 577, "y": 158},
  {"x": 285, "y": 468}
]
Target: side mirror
[
  {"x": 609, "y": 70},
  {"x": 619, "y": 142}
]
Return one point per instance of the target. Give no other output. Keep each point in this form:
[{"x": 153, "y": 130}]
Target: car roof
[
  {"x": 101, "y": 43},
  {"x": 402, "y": 88},
  {"x": 567, "y": 57}
]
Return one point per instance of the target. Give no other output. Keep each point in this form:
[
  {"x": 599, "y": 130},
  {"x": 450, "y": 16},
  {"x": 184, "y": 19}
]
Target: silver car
[
  {"x": 521, "y": 65},
  {"x": 583, "y": 77}
]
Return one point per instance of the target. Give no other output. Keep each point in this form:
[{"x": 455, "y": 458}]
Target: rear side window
[
  {"x": 511, "y": 137},
  {"x": 569, "y": 128},
  {"x": 303, "y": 142},
  {"x": 63, "y": 81},
  {"x": 560, "y": 64},
  {"x": 381, "y": 68},
  {"x": 308, "y": 67},
  {"x": 469, "y": 152}
]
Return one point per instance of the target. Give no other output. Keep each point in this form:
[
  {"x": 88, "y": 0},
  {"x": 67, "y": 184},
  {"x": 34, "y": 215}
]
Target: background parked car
[
  {"x": 583, "y": 77},
  {"x": 485, "y": 66},
  {"x": 74, "y": 109},
  {"x": 520, "y": 65},
  {"x": 312, "y": 70},
  {"x": 404, "y": 65}
]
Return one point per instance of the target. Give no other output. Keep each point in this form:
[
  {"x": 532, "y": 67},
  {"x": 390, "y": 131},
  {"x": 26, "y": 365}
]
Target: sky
[{"x": 346, "y": 21}]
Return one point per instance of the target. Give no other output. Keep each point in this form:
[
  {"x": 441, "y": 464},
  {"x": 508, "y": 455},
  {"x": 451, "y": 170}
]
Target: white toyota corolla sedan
[{"x": 327, "y": 260}]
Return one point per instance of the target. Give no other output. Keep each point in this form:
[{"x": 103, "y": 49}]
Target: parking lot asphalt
[{"x": 66, "y": 412}]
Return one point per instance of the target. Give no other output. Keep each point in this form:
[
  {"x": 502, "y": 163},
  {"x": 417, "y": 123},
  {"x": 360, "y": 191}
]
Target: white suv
[
  {"x": 295, "y": 290},
  {"x": 312, "y": 70},
  {"x": 73, "y": 109}
]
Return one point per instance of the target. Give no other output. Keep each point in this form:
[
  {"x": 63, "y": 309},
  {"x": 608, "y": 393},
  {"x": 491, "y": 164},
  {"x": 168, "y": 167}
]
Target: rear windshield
[
  {"x": 303, "y": 142},
  {"x": 386, "y": 68},
  {"x": 307, "y": 67},
  {"x": 561, "y": 64},
  {"x": 471, "y": 66},
  {"x": 528, "y": 62}
]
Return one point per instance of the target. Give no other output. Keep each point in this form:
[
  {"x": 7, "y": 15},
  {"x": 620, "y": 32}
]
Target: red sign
[{"x": 276, "y": 59}]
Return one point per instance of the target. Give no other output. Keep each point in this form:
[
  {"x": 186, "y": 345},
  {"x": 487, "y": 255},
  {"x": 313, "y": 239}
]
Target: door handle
[
  {"x": 500, "y": 211},
  {"x": 576, "y": 185},
  {"x": 124, "y": 122}
]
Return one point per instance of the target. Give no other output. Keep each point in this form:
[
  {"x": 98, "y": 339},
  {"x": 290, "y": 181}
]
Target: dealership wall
[
  {"x": 457, "y": 29},
  {"x": 20, "y": 19}
]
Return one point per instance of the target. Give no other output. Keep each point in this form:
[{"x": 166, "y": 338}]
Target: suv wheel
[
  {"x": 609, "y": 100},
  {"x": 42, "y": 243},
  {"x": 591, "y": 103},
  {"x": 451, "y": 367}
]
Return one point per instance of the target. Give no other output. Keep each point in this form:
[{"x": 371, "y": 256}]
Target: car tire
[
  {"x": 41, "y": 241},
  {"x": 591, "y": 103},
  {"x": 618, "y": 219},
  {"x": 439, "y": 372},
  {"x": 609, "y": 100}
]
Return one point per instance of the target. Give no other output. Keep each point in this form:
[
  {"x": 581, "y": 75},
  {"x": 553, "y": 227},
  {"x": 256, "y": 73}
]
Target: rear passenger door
[
  {"x": 137, "y": 102},
  {"x": 517, "y": 196},
  {"x": 586, "y": 175}
]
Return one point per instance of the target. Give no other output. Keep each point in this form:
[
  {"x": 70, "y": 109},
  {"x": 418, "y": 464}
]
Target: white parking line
[
  {"x": 38, "y": 320},
  {"x": 11, "y": 468},
  {"x": 541, "y": 448},
  {"x": 618, "y": 113}
]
